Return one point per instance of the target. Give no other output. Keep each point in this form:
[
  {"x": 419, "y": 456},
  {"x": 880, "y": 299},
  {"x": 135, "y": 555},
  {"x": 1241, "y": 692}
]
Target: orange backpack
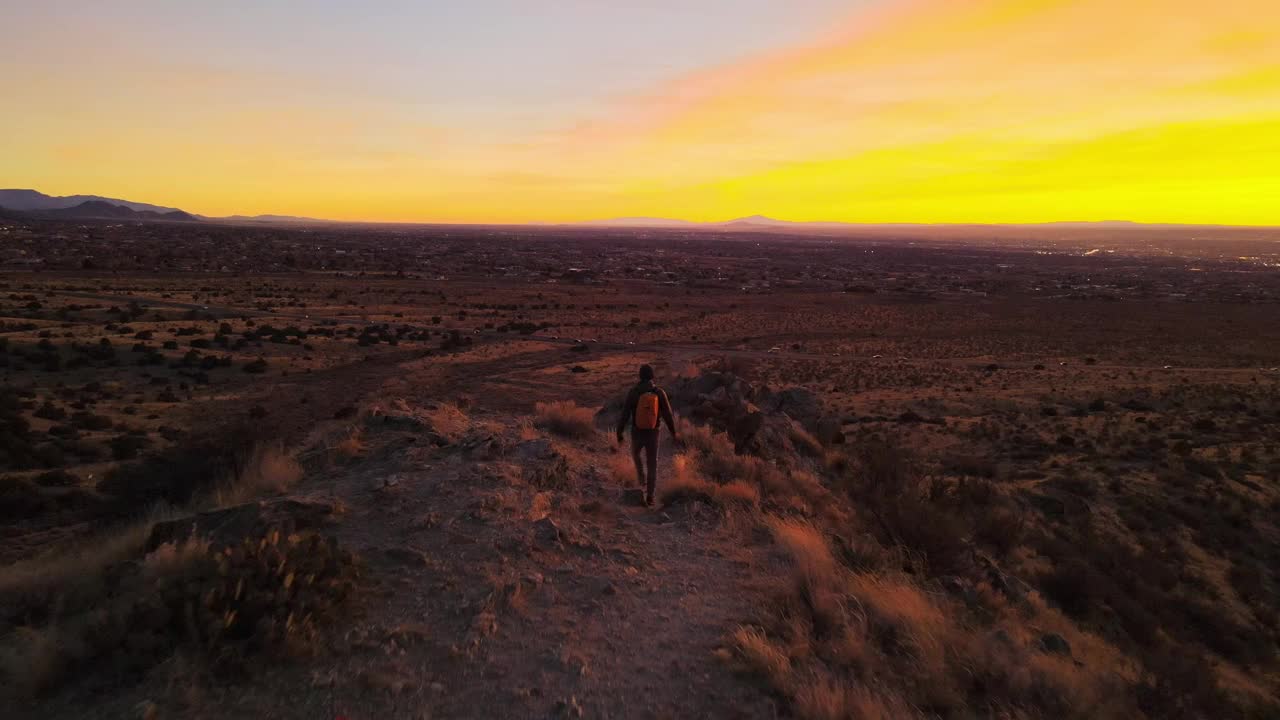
[{"x": 647, "y": 411}]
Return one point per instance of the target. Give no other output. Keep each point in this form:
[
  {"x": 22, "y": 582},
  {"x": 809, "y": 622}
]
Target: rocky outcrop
[
  {"x": 757, "y": 419},
  {"x": 231, "y": 525}
]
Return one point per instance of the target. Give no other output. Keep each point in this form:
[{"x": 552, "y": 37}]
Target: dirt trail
[{"x": 492, "y": 597}]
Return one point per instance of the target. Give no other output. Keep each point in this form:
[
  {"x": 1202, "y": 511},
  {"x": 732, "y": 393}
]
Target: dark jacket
[{"x": 633, "y": 398}]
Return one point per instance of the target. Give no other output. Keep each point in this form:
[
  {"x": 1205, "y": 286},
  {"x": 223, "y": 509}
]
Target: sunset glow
[{"x": 891, "y": 111}]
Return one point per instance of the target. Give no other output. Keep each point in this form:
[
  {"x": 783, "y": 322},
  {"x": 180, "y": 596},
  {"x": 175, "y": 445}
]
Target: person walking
[{"x": 645, "y": 405}]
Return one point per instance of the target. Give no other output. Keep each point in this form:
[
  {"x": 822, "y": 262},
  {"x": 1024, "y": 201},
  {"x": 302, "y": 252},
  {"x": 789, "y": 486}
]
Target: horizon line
[{"x": 760, "y": 220}]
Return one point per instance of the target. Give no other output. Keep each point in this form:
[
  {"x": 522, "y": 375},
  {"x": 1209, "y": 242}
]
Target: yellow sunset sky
[{"x": 510, "y": 111}]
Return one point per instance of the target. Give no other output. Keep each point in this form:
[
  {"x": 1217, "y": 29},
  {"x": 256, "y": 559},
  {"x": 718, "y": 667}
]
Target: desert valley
[{"x": 296, "y": 470}]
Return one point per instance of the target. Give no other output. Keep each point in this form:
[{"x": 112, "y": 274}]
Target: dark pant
[{"x": 646, "y": 440}]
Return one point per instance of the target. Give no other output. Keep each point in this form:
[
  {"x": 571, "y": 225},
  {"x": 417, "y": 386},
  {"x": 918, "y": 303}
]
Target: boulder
[
  {"x": 230, "y": 525},
  {"x": 538, "y": 449},
  {"x": 1055, "y": 644},
  {"x": 743, "y": 425},
  {"x": 797, "y": 403}
]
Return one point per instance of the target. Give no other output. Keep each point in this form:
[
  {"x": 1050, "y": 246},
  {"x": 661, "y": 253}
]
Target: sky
[{"x": 555, "y": 111}]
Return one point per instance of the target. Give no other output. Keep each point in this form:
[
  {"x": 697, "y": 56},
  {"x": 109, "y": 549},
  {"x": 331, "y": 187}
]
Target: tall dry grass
[
  {"x": 69, "y": 574},
  {"x": 268, "y": 471},
  {"x": 565, "y": 418},
  {"x": 718, "y": 461},
  {"x": 54, "y": 595},
  {"x": 842, "y": 643},
  {"x": 687, "y": 483}
]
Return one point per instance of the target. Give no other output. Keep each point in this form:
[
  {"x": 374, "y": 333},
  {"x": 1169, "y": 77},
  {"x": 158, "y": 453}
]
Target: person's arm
[
  {"x": 664, "y": 407},
  {"x": 628, "y": 407}
]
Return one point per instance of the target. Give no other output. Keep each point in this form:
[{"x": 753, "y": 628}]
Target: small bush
[
  {"x": 566, "y": 419},
  {"x": 181, "y": 472}
]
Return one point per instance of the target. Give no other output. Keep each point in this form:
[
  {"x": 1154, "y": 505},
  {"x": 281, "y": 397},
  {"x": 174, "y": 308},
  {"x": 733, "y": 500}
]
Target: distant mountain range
[
  {"x": 19, "y": 204},
  {"x": 31, "y": 200},
  {"x": 32, "y": 203},
  {"x": 764, "y": 223},
  {"x": 266, "y": 219}
]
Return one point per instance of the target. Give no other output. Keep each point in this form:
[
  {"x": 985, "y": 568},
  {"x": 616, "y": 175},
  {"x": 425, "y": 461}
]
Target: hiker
[{"x": 645, "y": 404}]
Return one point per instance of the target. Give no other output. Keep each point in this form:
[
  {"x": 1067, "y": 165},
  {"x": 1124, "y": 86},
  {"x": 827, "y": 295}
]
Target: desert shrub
[
  {"x": 126, "y": 447},
  {"x": 49, "y": 411},
  {"x": 565, "y": 418},
  {"x": 885, "y": 483},
  {"x": 553, "y": 473},
  {"x": 1001, "y": 529},
  {"x": 20, "y": 499},
  {"x": 185, "y": 470},
  {"x": 267, "y": 594},
  {"x": 88, "y": 421},
  {"x": 717, "y": 461},
  {"x": 1075, "y": 587},
  {"x": 1182, "y": 685},
  {"x": 267, "y": 471}
]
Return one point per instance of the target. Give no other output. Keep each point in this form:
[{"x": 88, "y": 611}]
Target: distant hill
[
  {"x": 265, "y": 219},
  {"x": 762, "y": 223},
  {"x": 99, "y": 210},
  {"x": 28, "y": 200},
  {"x": 752, "y": 222},
  {"x": 641, "y": 222}
]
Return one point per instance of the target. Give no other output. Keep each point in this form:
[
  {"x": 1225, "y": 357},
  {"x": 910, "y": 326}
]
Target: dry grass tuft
[
  {"x": 815, "y": 566},
  {"x": 900, "y": 607},
  {"x": 75, "y": 571},
  {"x": 269, "y": 471},
  {"x": 565, "y": 418},
  {"x": 736, "y": 493},
  {"x": 621, "y": 469},
  {"x": 172, "y": 559},
  {"x": 764, "y": 657},
  {"x": 687, "y": 483},
  {"x": 447, "y": 420},
  {"x": 718, "y": 462}
]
